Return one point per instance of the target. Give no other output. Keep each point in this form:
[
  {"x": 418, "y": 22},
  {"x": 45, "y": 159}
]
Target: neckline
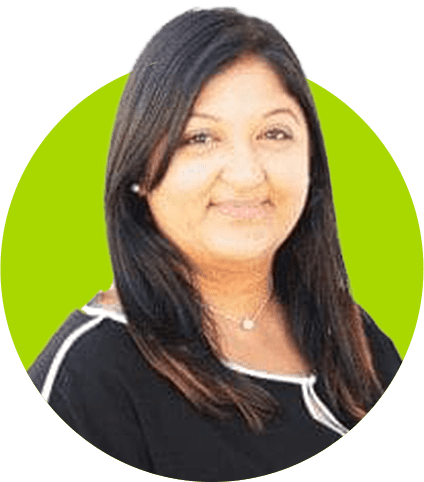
[
  {"x": 97, "y": 310},
  {"x": 277, "y": 377}
]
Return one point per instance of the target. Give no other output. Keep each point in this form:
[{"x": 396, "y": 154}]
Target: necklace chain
[{"x": 246, "y": 323}]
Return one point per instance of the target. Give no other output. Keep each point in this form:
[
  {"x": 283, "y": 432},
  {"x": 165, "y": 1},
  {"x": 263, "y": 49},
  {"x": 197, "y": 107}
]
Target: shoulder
[
  {"x": 89, "y": 346},
  {"x": 385, "y": 355},
  {"x": 92, "y": 375}
]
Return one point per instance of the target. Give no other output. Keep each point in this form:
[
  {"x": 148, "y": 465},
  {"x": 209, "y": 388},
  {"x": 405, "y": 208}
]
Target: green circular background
[
  {"x": 55, "y": 256},
  {"x": 57, "y": 54},
  {"x": 55, "y": 230}
]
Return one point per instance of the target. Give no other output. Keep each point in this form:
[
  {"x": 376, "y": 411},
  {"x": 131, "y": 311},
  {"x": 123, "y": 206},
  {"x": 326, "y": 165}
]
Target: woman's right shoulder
[{"x": 92, "y": 343}]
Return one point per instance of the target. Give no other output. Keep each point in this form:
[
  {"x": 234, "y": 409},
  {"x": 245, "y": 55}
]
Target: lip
[{"x": 244, "y": 209}]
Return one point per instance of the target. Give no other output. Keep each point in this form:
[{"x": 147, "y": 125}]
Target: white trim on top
[
  {"x": 98, "y": 311},
  {"x": 100, "y": 314},
  {"x": 61, "y": 353},
  {"x": 290, "y": 378},
  {"x": 319, "y": 411},
  {"x": 314, "y": 405}
]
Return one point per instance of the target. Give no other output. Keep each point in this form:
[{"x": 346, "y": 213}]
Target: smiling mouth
[{"x": 252, "y": 209}]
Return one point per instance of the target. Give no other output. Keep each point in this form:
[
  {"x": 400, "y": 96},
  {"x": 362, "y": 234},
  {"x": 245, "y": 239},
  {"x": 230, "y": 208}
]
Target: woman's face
[{"x": 238, "y": 182}]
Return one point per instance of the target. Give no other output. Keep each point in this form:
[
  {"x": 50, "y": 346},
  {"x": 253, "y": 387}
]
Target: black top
[{"x": 94, "y": 377}]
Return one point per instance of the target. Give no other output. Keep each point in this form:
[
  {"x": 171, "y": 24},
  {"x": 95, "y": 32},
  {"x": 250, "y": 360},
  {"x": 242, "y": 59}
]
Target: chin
[{"x": 241, "y": 250}]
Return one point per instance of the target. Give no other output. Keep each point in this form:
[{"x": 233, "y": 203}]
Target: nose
[{"x": 242, "y": 168}]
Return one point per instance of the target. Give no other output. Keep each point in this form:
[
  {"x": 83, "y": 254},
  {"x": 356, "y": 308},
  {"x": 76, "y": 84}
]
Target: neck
[
  {"x": 236, "y": 290},
  {"x": 237, "y": 330}
]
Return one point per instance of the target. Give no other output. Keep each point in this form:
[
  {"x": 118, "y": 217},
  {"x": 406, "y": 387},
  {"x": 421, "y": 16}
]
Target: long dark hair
[{"x": 154, "y": 279}]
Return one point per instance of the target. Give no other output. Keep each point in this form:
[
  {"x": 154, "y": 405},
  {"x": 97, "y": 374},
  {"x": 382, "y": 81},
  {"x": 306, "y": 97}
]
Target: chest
[
  {"x": 273, "y": 351},
  {"x": 188, "y": 445}
]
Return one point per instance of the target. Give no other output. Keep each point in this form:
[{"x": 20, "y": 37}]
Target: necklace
[{"x": 246, "y": 323}]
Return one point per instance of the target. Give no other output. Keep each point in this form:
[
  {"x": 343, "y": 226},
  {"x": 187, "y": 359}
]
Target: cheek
[
  {"x": 289, "y": 175},
  {"x": 182, "y": 195},
  {"x": 188, "y": 178}
]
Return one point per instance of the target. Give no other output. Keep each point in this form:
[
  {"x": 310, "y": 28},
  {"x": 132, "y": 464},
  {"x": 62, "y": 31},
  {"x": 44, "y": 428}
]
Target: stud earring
[{"x": 135, "y": 188}]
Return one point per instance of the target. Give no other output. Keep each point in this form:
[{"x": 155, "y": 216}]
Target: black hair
[{"x": 154, "y": 279}]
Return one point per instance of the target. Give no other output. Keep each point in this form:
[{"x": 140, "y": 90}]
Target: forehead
[{"x": 248, "y": 85}]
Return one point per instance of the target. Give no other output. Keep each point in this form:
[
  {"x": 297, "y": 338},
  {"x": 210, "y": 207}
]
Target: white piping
[
  {"x": 60, "y": 355},
  {"x": 319, "y": 411},
  {"x": 97, "y": 311},
  {"x": 316, "y": 408},
  {"x": 66, "y": 345},
  {"x": 300, "y": 379},
  {"x": 314, "y": 405}
]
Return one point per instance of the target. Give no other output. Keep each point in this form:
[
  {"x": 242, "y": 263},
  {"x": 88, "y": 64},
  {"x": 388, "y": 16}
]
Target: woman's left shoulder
[{"x": 386, "y": 357}]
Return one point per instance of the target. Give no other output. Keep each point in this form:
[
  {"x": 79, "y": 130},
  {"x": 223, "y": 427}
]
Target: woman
[{"x": 229, "y": 345}]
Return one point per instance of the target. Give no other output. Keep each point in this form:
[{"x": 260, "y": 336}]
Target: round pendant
[{"x": 247, "y": 324}]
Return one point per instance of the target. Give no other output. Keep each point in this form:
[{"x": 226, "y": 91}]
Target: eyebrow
[
  {"x": 205, "y": 116},
  {"x": 280, "y": 110}
]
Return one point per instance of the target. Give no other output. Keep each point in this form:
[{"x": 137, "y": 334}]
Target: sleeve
[
  {"x": 386, "y": 358},
  {"x": 99, "y": 409}
]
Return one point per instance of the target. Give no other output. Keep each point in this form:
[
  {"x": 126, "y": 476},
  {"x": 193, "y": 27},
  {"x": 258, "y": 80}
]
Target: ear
[{"x": 137, "y": 189}]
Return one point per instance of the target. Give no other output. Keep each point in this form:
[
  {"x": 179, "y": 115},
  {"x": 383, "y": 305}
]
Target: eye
[
  {"x": 199, "y": 138},
  {"x": 277, "y": 134}
]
